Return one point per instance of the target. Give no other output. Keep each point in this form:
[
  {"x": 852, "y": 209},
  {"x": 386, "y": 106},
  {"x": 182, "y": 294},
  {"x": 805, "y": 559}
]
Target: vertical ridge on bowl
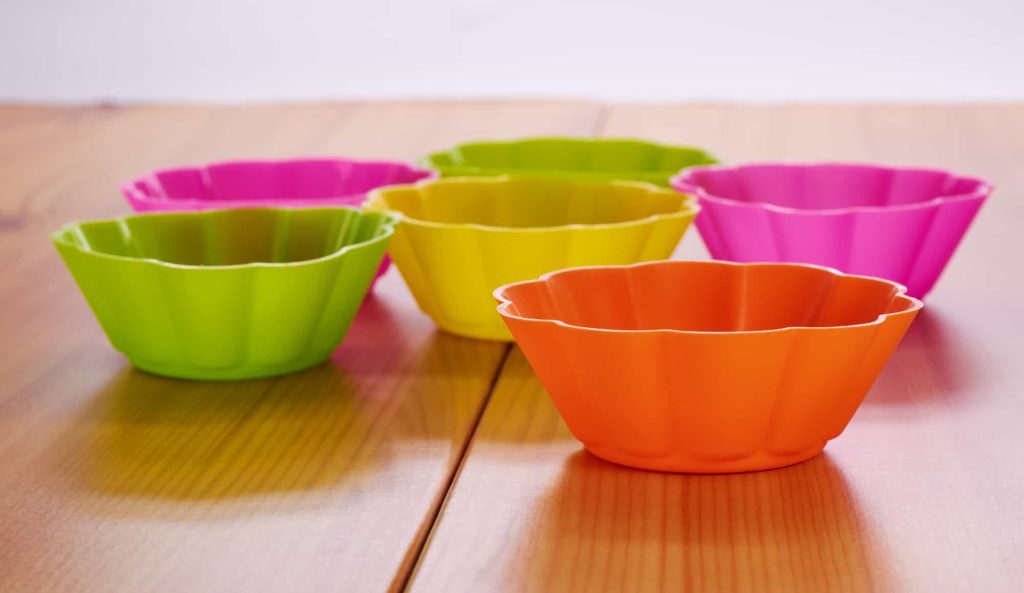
[{"x": 733, "y": 376}]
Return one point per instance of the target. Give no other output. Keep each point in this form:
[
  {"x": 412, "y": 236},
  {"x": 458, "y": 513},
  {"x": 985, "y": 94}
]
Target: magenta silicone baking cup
[
  {"x": 902, "y": 224},
  {"x": 295, "y": 183}
]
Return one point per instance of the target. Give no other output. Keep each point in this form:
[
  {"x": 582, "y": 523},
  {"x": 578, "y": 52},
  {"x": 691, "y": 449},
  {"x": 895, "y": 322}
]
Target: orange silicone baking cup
[{"x": 706, "y": 367}]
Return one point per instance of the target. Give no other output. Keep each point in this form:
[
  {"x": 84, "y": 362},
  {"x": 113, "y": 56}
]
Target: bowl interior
[
  {"x": 705, "y": 296},
  {"x": 529, "y": 203},
  {"x": 825, "y": 187},
  {"x": 572, "y": 154},
  {"x": 229, "y": 237},
  {"x": 275, "y": 180}
]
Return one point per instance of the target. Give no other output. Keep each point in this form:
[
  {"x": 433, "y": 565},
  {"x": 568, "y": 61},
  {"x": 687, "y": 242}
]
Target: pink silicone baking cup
[
  {"x": 294, "y": 183},
  {"x": 902, "y": 224}
]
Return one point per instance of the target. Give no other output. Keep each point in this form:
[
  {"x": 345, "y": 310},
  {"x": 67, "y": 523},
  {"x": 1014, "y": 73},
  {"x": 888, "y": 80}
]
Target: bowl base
[
  {"x": 233, "y": 373},
  {"x": 691, "y": 465}
]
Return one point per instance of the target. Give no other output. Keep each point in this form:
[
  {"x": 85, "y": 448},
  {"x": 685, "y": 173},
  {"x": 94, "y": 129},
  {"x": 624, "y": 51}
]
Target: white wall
[{"x": 233, "y": 50}]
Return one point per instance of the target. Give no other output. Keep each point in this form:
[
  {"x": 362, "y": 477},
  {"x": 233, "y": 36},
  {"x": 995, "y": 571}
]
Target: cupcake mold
[
  {"x": 462, "y": 238},
  {"x": 706, "y": 367},
  {"x": 226, "y": 294},
  {"x": 295, "y": 183},
  {"x": 902, "y": 224}
]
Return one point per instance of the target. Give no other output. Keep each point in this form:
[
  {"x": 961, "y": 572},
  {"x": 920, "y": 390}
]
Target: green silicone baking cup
[
  {"x": 227, "y": 294},
  {"x": 587, "y": 159}
]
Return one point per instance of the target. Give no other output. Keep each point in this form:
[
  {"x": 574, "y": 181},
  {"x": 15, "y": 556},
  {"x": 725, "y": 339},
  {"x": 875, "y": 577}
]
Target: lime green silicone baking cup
[
  {"x": 227, "y": 294},
  {"x": 587, "y": 159}
]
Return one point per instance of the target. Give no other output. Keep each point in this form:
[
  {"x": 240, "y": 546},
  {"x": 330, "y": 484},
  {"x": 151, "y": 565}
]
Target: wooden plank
[
  {"x": 923, "y": 491},
  {"x": 326, "y": 480}
]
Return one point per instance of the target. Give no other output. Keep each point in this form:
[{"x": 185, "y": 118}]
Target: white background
[{"x": 238, "y": 50}]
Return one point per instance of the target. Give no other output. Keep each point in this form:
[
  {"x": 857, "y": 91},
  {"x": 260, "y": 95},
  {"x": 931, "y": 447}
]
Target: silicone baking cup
[
  {"x": 576, "y": 158},
  {"x": 897, "y": 223},
  {"x": 299, "y": 183},
  {"x": 706, "y": 366},
  {"x": 462, "y": 238},
  {"x": 226, "y": 294}
]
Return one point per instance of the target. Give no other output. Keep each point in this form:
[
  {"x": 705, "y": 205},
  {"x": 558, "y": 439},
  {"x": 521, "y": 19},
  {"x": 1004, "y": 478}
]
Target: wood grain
[
  {"x": 327, "y": 480},
  {"x": 923, "y": 491},
  {"x": 113, "y": 480}
]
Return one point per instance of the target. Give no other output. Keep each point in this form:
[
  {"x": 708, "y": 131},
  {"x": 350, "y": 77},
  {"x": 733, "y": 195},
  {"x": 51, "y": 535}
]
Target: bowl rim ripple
[
  {"x": 505, "y": 303},
  {"x": 683, "y": 182},
  {"x": 375, "y": 202},
  {"x": 427, "y": 160},
  {"x": 130, "y": 187},
  {"x": 389, "y": 221}
]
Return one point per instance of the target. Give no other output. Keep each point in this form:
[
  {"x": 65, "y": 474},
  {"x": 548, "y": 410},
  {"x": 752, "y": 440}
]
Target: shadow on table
[
  {"x": 383, "y": 333},
  {"x": 605, "y": 527},
  {"x": 934, "y": 360},
  {"x": 147, "y": 436},
  {"x": 387, "y": 391}
]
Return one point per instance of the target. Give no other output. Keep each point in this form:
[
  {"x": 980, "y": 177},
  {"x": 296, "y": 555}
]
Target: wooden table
[{"x": 426, "y": 462}]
